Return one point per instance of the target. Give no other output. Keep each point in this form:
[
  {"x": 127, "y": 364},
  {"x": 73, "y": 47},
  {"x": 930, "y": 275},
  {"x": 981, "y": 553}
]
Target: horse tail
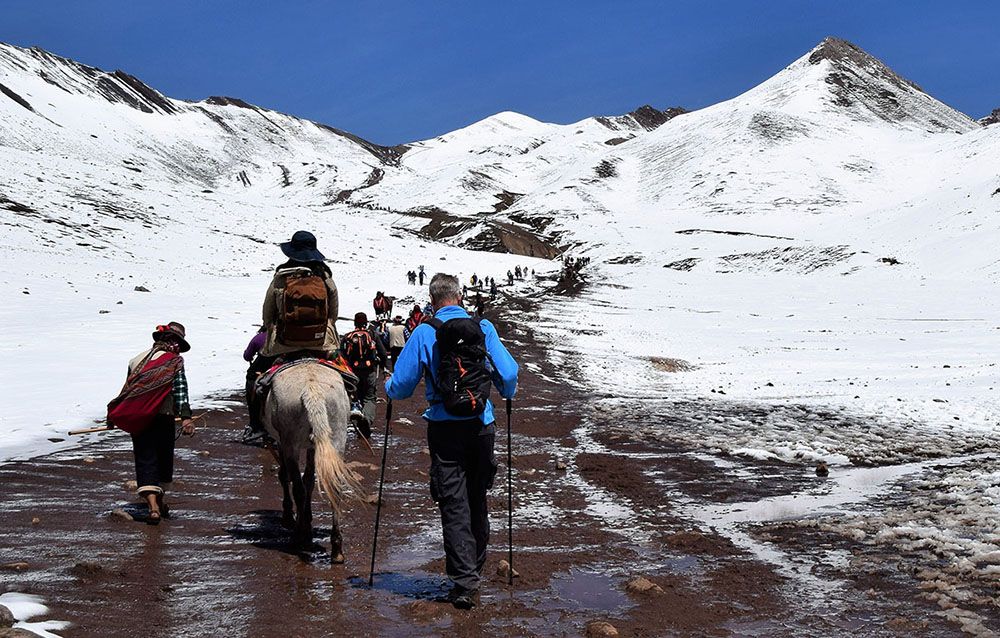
[{"x": 334, "y": 477}]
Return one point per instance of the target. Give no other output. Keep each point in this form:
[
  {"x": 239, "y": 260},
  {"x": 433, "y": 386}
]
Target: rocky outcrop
[
  {"x": 859, "y": 79},
  {"x": 992, "y": 118}
]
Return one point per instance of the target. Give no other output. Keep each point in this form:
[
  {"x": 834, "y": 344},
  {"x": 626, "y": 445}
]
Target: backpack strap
[{"x": 434, "y": 321}]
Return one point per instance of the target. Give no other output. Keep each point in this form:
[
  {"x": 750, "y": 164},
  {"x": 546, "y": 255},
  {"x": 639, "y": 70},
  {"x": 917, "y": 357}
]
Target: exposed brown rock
[
  {"x": 642, "y": 585},
  {"x": 601, "y": 629}
]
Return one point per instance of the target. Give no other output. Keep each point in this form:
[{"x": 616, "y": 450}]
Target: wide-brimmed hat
[
  {"x": 397, "y": 319},
  {"x": 175, "y": 330},
  {"x": 302, "y": 247}
]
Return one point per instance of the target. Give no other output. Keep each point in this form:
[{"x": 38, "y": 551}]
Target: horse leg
[
  {"x": 336, "y": 542},
  {"x": 298, "y": 494},
  {"x": 304, "y": 524},
  {"x": 287, "y": 516}
]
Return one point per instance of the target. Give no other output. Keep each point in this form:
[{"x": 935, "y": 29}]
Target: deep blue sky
[{"x": 398, "y": 70}]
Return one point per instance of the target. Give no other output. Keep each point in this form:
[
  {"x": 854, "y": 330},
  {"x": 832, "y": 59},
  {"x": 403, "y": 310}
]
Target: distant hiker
[
  {"x": 517, "y": 272},
  {"x": 397, "y": 339},
  {"x": 411, "y": 277},
  {"x": 421, "y": 275},
  {"x": 155, "y": 394},
  {"x": 474, "y": 280},
  {"x": 421, "y": 268},
  {"x": 510, "y": 278},
  {"x": 493, "y": 289},
  {"x": 300, "y": 311},
  {"x": 465, "y": 290},
  {"x": 382, "y": 305},
  {"x": 415, "y": 319},
  {"x": 458, "y": 358},
  {"x": 480, "y": 305},
  {"x": 259, "y": 364},
  {"x": 364, "y": 353}
]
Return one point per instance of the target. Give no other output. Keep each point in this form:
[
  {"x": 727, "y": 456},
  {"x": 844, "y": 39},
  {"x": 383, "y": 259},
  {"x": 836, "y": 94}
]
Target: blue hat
[{"x": 302, "y": 247}]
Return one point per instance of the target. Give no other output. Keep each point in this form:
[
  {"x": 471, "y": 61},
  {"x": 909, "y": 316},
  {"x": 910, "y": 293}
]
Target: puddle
[
  {"x": 422, "y": 586},
  {"x": 586, "y": 590}
]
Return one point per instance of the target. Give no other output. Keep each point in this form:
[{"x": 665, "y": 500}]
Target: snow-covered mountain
[{"x": 801, "y": 234}]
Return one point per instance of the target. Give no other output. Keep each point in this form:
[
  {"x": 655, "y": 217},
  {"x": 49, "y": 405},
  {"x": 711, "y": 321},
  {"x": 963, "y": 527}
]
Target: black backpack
[{"x": 463, "y": 379}]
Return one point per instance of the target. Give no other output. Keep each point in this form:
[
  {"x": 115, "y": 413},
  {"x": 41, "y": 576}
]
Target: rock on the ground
[
  {"x": 822, "y": 469},
  {"x": 122, "y": 514},
  {"x": 503, "y": 570},
  {"x": 141, "y": 289},
  {"x": 36, "y": 521},
  {"x": 131, "y": 486},
  {"x": 6, "y": 618},
  {"x": 642, "y": 585},
  {"x": 372, "y": 499},
  {"x": 17, "y": 633},
  {"x": 87, "y": 570},
  {"x": 561, "y": 465},
  {"x": 906, "y": 625},
  {"x": 15, "y": 566},
  {"x": 601, "y": 629}
]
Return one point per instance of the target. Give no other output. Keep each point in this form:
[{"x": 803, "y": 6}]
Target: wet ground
[{"x": 598, "y": 501}]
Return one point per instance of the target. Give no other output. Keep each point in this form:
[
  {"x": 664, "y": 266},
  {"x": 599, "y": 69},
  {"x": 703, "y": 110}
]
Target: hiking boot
[
  {"x": 462, "y": 598},
  {"x": 256, "y": 438}
]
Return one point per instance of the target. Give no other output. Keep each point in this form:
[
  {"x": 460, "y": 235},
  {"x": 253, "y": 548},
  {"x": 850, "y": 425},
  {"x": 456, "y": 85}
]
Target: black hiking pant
[
  {"x": 393, "y": 356},
  {"x": 258, "y": 366},
  {"x": 367, "y": 385},
  {"x": 153, "y": 449},
  {"x": 462, "y": 471}
]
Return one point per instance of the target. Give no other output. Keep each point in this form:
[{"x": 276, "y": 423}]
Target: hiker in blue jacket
[{"x": 461, "y": 448}]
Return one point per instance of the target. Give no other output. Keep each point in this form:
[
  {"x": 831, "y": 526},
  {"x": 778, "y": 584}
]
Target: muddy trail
[{"x": 596, "y": 505}]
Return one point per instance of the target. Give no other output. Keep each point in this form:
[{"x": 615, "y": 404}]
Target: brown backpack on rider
[{"x": 303, "y": 310}]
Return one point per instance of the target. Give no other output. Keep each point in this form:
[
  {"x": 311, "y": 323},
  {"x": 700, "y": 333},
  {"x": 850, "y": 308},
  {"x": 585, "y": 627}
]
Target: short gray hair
[{"x": 445, "y": 288}]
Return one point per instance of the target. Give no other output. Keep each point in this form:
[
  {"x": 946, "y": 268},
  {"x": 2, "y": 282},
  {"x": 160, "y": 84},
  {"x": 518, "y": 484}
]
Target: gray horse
[{"x": 307, "y": 413}]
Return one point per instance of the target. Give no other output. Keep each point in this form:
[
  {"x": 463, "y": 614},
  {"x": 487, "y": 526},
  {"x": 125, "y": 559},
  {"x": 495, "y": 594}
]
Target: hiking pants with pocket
[
  {"x": 367, "y": 385},
  {"x": 153, "y": 449},
  {"x": 462, "y": 471}
]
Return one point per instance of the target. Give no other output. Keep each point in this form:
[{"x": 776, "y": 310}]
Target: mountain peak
[
  {"x": 860, "y": 82},
  {"x": 842, "y": 53}
]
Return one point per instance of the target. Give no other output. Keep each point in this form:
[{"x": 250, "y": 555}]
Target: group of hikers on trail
[
  {"x": 459, "y": 358},
  {"x": 413, "y": 275}
]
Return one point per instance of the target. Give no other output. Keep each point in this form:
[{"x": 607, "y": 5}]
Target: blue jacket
[{"x": 420, "y": 357}]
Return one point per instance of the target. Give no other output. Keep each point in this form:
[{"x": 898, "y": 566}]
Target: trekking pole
[
  {"x": 510, "y": 505},
  {"x": 381, "y": 480}
]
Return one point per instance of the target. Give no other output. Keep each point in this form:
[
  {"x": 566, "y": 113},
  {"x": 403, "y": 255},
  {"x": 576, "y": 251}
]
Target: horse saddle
[{"x": 263, "y": 384}]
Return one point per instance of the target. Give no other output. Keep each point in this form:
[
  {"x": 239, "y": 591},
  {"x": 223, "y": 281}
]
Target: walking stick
[
  {"x": 381, "y": 480},
  {"x": 510, "y": 506}
]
